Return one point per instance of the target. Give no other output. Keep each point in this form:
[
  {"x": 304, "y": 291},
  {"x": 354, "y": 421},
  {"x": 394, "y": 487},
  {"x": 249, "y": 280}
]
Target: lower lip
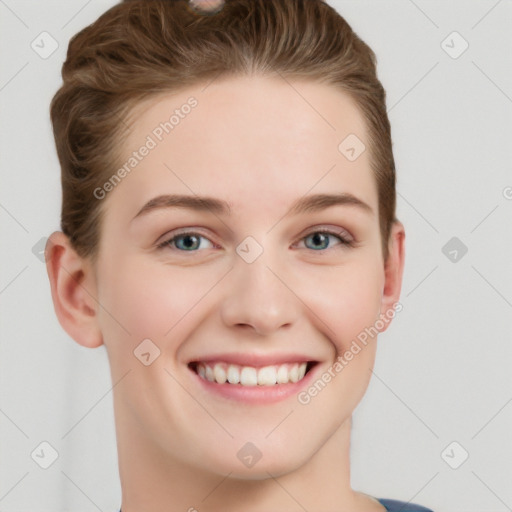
[{"x": 256, "y": 394}]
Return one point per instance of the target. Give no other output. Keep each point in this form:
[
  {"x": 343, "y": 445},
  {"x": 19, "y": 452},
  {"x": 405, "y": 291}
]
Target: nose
[{"x": 259, "y": 297}]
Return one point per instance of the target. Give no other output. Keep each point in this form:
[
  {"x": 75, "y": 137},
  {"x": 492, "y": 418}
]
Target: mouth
[{"x": 276, "y": 375}]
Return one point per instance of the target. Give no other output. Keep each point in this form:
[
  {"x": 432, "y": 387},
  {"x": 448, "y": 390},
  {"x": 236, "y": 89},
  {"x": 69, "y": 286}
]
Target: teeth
[
  {"x": 267, "y": 376},
  {"x": 209, "y": 374},
  {"x": 282, "y": 374},
  {"x": 294, "y": 373},
  {"x": 250, "y": 376},
  {"x": 219, "y": 373},
  {"x": 233, "y": 374}
]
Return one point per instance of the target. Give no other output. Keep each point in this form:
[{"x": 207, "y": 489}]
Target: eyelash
[{"x": 344, "y": 242}]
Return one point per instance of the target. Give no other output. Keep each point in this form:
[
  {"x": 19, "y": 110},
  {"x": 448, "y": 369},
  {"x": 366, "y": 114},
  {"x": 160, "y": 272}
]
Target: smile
[{"x": 250, "y": 376}]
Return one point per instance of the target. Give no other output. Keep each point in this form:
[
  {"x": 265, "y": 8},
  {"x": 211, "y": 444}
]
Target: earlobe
[
  {"x": 393, "y": 271},
  {"x": 73, "y": 291}
]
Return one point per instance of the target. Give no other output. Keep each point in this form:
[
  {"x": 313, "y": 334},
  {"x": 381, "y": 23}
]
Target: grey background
[{"x": 443, "y": 368}]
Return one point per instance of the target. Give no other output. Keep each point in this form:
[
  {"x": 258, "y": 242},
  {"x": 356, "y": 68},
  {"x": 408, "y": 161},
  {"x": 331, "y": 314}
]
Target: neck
[{"x": 153, "y": 482}]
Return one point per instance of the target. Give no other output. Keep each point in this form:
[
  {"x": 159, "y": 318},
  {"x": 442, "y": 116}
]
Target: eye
[
  {"x": 320, "y": 239},
  {"x": 189, "y": 241}
]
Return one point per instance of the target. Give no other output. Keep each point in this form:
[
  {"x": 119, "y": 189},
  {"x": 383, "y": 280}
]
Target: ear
[
  {"x": 393, "y": 272},
  {"x": 73, "y": 291}
]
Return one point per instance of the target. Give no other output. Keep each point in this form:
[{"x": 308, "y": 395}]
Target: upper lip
[{"x": 253, "y": 359}]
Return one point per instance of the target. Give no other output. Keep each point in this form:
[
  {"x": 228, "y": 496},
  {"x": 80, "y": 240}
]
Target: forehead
[{"x": 248, "y": 139}]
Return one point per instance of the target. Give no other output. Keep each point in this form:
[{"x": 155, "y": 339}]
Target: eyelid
[{"x": 331, "y": 230}]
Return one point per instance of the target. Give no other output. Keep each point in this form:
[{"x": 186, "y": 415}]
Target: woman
[{"x": 229, "y": 233}]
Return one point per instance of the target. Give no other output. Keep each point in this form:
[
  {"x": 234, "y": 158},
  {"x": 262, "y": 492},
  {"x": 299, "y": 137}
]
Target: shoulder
[{"x": 402, "y": 506}]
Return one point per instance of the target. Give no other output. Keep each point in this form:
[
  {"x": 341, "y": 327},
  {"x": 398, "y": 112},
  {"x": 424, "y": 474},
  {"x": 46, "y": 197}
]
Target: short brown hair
[{"x": 140, "y": 48}]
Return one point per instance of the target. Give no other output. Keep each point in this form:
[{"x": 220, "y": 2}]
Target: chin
[{"x": 249, "y": 463}]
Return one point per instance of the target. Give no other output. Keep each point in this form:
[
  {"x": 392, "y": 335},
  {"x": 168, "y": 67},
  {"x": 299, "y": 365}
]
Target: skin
[{"x": 256, "y": 143}]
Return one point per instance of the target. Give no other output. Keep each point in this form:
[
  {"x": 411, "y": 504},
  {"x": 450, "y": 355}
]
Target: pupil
[
  {"x": 189, "y": 241},
  {"x": 318, "y": 238}
]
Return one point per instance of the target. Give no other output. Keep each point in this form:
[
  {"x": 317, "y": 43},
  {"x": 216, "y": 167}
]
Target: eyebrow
[{"x": 306, "y": 204}]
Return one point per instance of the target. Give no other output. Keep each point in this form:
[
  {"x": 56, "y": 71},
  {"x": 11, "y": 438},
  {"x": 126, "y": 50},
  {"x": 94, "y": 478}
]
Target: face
[{"x": 248, "y": 286}]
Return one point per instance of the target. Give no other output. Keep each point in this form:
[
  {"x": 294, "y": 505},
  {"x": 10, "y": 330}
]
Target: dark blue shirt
[
  {"x": 402, "y": 506},
  {"x": 398, "y": 506}
]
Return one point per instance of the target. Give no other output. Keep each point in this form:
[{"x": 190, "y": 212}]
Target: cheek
[
  {"x": 351, "y": 307},
  {"x": 148, "y": 299},
  {"x": 348, "y": 301}
]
